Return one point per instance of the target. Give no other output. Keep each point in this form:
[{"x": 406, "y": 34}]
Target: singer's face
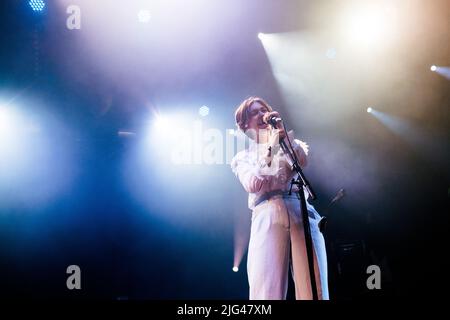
[{"x": 255, "y": 120}]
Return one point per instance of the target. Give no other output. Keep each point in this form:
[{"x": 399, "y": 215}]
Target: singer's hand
[
  {"x": 280, "y": 128},
  {"x": 271, "y": 114}
]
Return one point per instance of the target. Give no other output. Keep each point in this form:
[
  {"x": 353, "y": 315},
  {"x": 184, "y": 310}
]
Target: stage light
[
  {"x": 261, "y": 36},
  {"x": 203, "y": 111},
  {"x": 369, "y": 110},
  {"x": 13, "y": 130},
  {"x": 366, "y": 28},
  {"x": 168, "y": 137},
  {"x": 161, "y": 123},
  {"x": 368, "y": 25},
  {"x": 6, "y": 123},
  {"x": 37, "y": 5},
  {"x": 235, "y": 269},
  {"x": 441, "y": 70},
  {"x": 122, "y": 133},
  {"x": 144, "y": 16},
  {"x": 28, "y": 165}
]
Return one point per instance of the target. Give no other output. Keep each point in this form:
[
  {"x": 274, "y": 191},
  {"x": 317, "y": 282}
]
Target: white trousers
[{"x": 276, "y": 237}]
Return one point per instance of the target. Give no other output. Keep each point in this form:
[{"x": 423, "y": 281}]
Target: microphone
[{"x": 273, "y": 121}]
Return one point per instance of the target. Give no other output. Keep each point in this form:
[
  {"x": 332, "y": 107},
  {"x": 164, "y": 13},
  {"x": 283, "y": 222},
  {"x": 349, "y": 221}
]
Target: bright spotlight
[
  {"x": 369, "y": 110},
  {"x": 161, "y": 123},
  {"x": 13, "y": 125},
  {"x": 12, "y": 130},
  {"x": 203, "y": 111},
  {"x": 433, "y": 68},
  {"x": 6, "y": 122},
  {"x": 235, "y": 269},
  {"x": 261, "y": 36},
  {"x": 368, "y": 25},
  {"x": 144, "y": 16},
  {"x": 365, "y": 28},
  {"x": 37, "y": 5}
]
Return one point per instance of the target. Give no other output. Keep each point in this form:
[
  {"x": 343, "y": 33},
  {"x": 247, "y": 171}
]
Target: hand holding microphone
[{"x": 273, "y": 119}]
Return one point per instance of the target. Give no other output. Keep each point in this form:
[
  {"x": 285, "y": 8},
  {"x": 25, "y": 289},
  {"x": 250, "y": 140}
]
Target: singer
[{"x": 277, "y": 239}]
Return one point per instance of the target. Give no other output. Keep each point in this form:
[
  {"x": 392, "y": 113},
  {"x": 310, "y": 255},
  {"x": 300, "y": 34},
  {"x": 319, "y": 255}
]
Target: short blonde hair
[{"x": 242, "y": 115}]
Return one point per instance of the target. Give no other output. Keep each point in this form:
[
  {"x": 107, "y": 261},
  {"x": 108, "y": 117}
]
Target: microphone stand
[{"x": 302, "y": 182}]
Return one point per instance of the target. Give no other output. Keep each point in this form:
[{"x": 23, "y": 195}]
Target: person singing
[{"x": 277, "y": 240}]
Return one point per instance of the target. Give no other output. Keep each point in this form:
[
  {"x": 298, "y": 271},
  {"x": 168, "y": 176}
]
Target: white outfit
[{"x": 277, "y": 227}]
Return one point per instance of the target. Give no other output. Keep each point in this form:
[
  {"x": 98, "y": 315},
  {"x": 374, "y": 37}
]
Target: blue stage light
[
  {"x": 37, "y": 5},
  {"x": 203, "y": 111}
]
